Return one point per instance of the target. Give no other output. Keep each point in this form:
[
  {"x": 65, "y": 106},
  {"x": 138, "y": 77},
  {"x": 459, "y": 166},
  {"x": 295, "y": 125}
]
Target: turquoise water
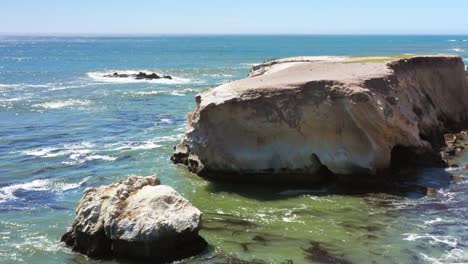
[{"x": 64, "y": 128}]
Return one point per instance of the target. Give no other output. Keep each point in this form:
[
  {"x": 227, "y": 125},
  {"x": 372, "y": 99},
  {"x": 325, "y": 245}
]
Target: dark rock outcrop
[{"x": 139, "y": 76}]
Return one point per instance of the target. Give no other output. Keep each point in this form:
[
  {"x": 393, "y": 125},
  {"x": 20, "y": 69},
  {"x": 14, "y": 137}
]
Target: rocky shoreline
[{"x": 296, "y": 121}]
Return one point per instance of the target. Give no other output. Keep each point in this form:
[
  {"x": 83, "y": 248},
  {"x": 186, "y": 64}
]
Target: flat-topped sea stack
[{"x": 298, "y": 120}]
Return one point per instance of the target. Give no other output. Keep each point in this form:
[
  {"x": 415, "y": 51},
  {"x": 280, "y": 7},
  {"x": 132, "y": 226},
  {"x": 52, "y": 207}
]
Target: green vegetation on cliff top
[{"x": 378, "y": 59}]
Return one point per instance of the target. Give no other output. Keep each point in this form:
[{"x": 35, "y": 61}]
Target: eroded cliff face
[{"x": 300, "y": 119}]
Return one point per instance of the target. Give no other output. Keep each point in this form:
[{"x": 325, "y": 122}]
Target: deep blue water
[{"x": 64, "y": 128}]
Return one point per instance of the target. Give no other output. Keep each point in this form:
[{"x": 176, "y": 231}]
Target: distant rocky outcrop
[
  {"x": 136, "y": 219},
  {"x": 139, "y": 76},
  {"x": 298, "y": 120}
]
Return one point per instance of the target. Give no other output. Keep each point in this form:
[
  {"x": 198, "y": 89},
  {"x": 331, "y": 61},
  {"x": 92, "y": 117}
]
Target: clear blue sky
[{"x": 234, "y": 17}]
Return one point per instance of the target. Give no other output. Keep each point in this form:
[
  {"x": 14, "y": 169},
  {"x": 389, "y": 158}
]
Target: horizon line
[{"x": 81, "y": 34}]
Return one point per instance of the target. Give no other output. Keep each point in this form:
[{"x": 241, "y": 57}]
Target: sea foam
[
  {"x": 145, "y": 145},
  {"x": 76, "y": 153},
  {"x": 457, "y": 50},
  {"x": 62, "y": 104},
  {"x": 9, "y": 192},
  {"x": 432, "y": 239},
  {"x": 182, "y": 92}
]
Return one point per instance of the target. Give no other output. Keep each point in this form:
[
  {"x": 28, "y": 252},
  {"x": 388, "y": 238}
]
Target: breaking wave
[
  {"x": 77, "y": 153},
  {"x": 134, "y": 145},
  {"x": 182, "y": 92},
  {"x": 62, "y": 104},
  {"x": 8, "y": 192},
  {"x": 83, "y": 152},
  {"x": 457, "y": 50}
]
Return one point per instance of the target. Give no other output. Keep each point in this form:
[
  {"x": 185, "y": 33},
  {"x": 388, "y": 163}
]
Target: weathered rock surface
[
  {"x": 136, "y": 218},
  {"x": 139, "y": 76},
  {"x": 296, "y": 119},
  {"x": 456, "y": 146}
]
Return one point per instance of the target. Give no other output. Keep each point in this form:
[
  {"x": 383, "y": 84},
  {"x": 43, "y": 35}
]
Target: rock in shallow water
[
  {"x": 299, "y": 119},
  {"x": 139, "y": 76},
  {"x": 138, "y": 219}
]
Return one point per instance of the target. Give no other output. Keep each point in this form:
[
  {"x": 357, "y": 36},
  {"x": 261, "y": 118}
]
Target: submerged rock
[
  {"x": 137, "y": 219},
  {"x": 302, "y": 119},
  {"x": 318, "y": 254},
  {"x": 139, "y": 76},
  {"x": 456, "y": 146}
]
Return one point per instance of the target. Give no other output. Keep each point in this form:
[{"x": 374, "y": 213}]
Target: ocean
[{"x": 64, "y": 127}]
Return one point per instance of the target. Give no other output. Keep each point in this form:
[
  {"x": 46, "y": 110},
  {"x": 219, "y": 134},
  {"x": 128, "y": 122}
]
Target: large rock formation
[
  {"x": 296, "y": 119},
  {"x": 137, "y": 219}
]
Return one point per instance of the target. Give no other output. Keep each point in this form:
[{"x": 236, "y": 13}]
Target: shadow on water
[
  {"x": 410, "y": 183},
  {"x": 382, "y": 192}
]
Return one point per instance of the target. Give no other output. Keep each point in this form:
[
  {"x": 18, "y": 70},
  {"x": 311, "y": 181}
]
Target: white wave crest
[
  {"x": 218, "y": 75},
  {"x": 82, "y": 158},
  {"x": 163, "y": 92},
  {"x": 62, "y": 104},
  {"x": 77, "y": 153},
  {"x": 249, "y": 64},
  {"x": 457, "y": 50},
  {"x": 8, "y": 192},
  {"x": 20, "y": 86},
  {"x": 67, "y": 149},
  {"x": 437, "y": 220},
  {"x": 100, "y": 77},
  {"x": 177, "y": 93},
  {"x": 447, "y": 240},
  {"x": 4, "y": 85},
  {"x": 135, "y": 145},
  {"x": 14, "y": 99},
  {"x": 166, "y": 120},
  {"x": 147, "y": 93},
  {"x": 455, "y": 255},
  {"x": 172, "y": 138}
]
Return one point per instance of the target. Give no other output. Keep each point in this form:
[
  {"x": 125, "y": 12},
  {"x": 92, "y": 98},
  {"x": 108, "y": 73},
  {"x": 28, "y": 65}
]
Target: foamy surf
[
  {"x": 83, "y": 152},
  {"x": 76, "y": 153},
  {"x": 20, "y": 86},
  {"x": 130, "y": 146},
  {"x": 100, "y": 77},
  {"x": 182, "y": 92},
  {"x": 457, "y": 50},
  {"x": 67, "y": 149},
  {"x": 454, "y": 256},
  {"x": 8, "y": 192},
  {"x": 76, "y": 159},
  {"x": 62, "y": 104},
  {"x": 432, "y": 239}
]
